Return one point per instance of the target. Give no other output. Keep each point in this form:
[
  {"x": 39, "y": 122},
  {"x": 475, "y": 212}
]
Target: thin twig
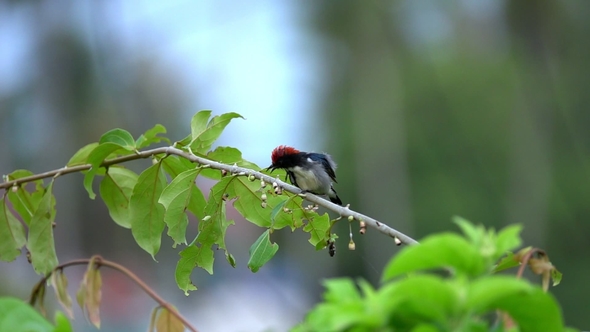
[
  {"x": 342, "y": 211},
  {"x": 99, "y": 261}
]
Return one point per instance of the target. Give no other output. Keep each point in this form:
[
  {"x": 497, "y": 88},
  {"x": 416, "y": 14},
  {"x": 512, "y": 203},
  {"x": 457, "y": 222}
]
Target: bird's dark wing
[
  {"x": 291, "y": 176},
  {"x": 316, "y": 157}
]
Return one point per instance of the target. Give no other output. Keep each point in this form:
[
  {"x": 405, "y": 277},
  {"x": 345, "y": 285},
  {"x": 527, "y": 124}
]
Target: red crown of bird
[{"x": 280, "y": 151}]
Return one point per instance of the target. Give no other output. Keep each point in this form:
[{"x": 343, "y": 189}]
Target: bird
[{"x": 311, "y": 172}]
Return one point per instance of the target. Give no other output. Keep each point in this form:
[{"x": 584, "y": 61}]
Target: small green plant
[{"x": 447, "y": 283}]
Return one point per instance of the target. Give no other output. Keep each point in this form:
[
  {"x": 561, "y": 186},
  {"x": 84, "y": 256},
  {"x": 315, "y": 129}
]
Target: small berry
[{"x": 351, "y": 245}]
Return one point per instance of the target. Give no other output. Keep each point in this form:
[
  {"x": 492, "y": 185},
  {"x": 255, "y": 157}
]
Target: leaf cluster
[
  {"x": 162, "y": 197},
  {"x": 447, "y": 283}
]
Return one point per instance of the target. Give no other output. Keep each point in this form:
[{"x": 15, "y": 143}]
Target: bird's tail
[{"x": 334, "y": 197}]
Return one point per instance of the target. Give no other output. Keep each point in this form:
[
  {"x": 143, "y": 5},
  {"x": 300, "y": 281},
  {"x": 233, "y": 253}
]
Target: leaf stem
[{"x": 99, "y": 261}]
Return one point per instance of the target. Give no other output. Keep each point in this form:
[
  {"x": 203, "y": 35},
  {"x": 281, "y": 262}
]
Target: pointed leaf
[
  {"x": 116, "y": 189},
  {"x": 96, "y": 158},
  {"x": 191, "y": 257},
  {"x": 12, "y": 234},
  {"x": 212, "y": 228},
  {"x": 199, "y": 123},
  {"x": 230, "y": 156},
  {"x": 248, "y": 201},
  {"x": 147, "y": 215},
  {"x": 119, "y": 137},
  {"x": 203, "y": 139},
  {"x": 318, "y": 228},
  {"x": 508, "y": 239},
  {"x": 40, "y": 242},
  {"x": 446, "y": 250},
  {"x": 24, "y": 202},
  {"x": 153, "y": 317},
  {"x": 93, "y": 296},
  {"x": 167, "y": 322},
  {"x": 89, "y": 294},
  {"x": 262, "y": 251},
  {"x": 249, "y": 204},
  {"x": 507, "y": 262},
  {"x": 176, "y": 198},
  {"x": 151, "y": 136},
  {"x": 60, "y": 285},
  {"x": 81, "y": 156},
  {"x": 471, "y": 232}
]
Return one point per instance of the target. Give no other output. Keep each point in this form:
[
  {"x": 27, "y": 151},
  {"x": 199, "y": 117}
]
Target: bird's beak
[{"x": 270, "y": 168}]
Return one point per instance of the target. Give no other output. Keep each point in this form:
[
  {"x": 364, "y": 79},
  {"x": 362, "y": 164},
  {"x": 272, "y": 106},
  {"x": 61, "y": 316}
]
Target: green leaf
[
  {"x": 213, "y": 226},
  {"x": 226, "y": 155},
  {"x": 424, "y": 298},
  {"x": 229, "y": 155},
  {"x": 191, "y": 257},
  {"x": 428, "y": 328},
  {"x": 12, "y": 234},
  {"x": 81, "y": 156},
  {"x": 472, "y": 232},
  {"x": 318, "y": 228},
  {"x": 151, "y": 136},
  {"x": 109, "y": 143},
  {"x": 508, "y": 262},
  {"x": 199, "y": 123},
  {"x": 18, "y": 316},
  {"x": 248, "y": 202},
  {"x": 530, "y": 307},
  {"x": 446, "y": 250},
  {"x": 116, "y": 189},
  {"x": 341, "y": 290},
  {"x": 118, "y": 137},
  {"x": 62, "y": 324},
  {"x": 262, "y": 251},
  {"x": 176, "y": 198},
  {"x": 24, "y": 202},
  {"x": 556, "y": 277},
  {"x": 147, "y": 215},
  {"x": 174, "y": 165},
  {"x": 508, "y": 239},
  {"x": 486, "y": 291},
  {"x": 40, "y": 242},
  {"x": 278, "y": 208},
  {"x": 343, "y": 309},
  {"x": 203, "y": 139},
  {"x": 96, "y": 158}
]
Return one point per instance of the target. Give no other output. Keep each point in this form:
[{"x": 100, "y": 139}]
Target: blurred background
[{"x": 475, "y": 108}]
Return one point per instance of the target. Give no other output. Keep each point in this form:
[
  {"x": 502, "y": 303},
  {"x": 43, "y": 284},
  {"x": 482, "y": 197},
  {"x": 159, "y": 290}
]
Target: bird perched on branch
[{"x": 311, "y": 172}]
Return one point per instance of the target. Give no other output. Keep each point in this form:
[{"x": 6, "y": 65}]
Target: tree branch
[
  {"x": 99, "y": 261},
  {"x": 235, "y": 170}
]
